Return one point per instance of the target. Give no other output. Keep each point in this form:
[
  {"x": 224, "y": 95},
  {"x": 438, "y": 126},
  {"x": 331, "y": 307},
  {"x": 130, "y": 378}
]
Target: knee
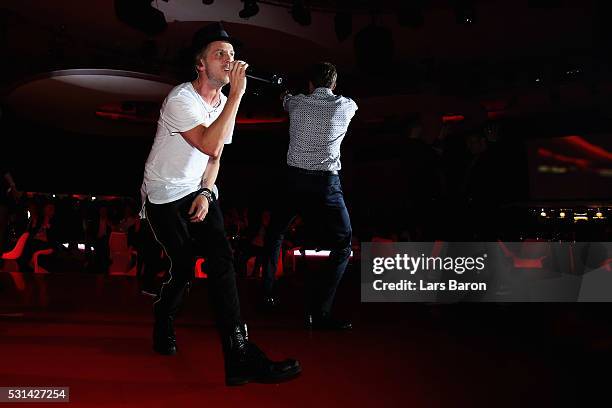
[
  {"x": 349, "y": 236},
  {"x": 220, "y": 264},
  {"x": 221, "y": 271},
  {"x": 224, "y": 254},
  {"x": 343, "y": 241},
  {"x": 181, "y": 268},
  {"x": 179, "y": 281},
  {"x": 342, "y": 253}
]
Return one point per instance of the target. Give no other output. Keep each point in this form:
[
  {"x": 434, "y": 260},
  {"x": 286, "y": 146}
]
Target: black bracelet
[{"x": 208, "y": 194}]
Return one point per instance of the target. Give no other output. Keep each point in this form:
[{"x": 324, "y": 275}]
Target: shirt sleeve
[
  {"x": 181, "y": 114},
  {"x": 352, "y": 104},
  {"x": 228, "y": 138},
  {"x": 230, "y": 135},
  {"x": 289, "y": 102}
]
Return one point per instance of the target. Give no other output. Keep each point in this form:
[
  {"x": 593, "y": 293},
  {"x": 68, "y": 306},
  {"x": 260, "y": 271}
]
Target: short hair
[
  {"x": 323, "y": 74},
  {"x": 199, "y": 54}
]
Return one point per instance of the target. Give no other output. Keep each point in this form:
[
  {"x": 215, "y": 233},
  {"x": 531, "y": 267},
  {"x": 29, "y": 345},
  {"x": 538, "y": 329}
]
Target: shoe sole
[{"x": 290, "y": 375}]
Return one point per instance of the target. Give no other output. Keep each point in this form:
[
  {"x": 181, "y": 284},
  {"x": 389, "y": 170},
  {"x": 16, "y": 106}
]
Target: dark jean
[
  {"x": 319, "y": 199},
  {"x": 183, "y": 241}
]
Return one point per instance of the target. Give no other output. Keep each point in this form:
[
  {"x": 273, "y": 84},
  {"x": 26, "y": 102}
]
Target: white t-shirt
[{"x": 174, "y": 168}]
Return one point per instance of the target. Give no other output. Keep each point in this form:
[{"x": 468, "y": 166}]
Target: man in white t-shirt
[{"x": 196, "y": 121}]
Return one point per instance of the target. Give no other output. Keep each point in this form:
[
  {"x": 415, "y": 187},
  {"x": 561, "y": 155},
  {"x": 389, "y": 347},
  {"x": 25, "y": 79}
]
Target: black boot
[
  {"x": 164, "y": 339},
  {"x": 245, "y": 362}
]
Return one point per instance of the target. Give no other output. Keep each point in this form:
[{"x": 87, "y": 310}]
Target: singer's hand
[
  {"x": 284, "y": 93},
  {"x": 198, "y": 209},
  {"x": 237, "y": 75}
]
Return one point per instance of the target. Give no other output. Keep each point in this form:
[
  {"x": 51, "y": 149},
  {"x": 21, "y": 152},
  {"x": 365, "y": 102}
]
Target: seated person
[{"x": 42, "y": 236}]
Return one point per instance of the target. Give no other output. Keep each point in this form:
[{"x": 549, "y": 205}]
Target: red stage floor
[{"x": 92, "y": 333}]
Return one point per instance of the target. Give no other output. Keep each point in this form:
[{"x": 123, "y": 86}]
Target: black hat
[{"x": 210, "y": 33}]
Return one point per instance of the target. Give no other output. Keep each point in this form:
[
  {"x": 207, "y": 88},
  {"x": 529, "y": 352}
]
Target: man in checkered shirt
[{"x": 318, "y": 124}]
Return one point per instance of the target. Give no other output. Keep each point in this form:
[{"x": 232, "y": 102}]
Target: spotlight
[
  {"x": 543, "y": 214},
  {"x": 465, "y": 12},
  {"x": 580, "y": 217},
  {"x": 562, "y": 214},
  {"x": 300, "y": 13},
  {"x": 573, "y": 73},
  {"x": 208, "y": 2},
  {"x": 250, "y": 9}
]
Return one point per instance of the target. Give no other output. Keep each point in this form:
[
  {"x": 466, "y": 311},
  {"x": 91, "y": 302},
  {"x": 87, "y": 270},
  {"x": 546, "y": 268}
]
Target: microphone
[{"x": 271, "y": 79}]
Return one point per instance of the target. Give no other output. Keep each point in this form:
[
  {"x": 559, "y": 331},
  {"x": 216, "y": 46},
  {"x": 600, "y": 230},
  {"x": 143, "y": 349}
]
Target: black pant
[
  {"x": 149, "y": 262},
  {"x": 183, "y": 241},
  {"x": 319, "y": 199}
]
